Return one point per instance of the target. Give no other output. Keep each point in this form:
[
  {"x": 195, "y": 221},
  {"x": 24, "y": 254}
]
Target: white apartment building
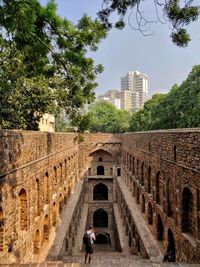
[
  {"x": 126, "y": 100},
  {"x": 111, "y": 98},
  {"x": 137, "y": 83}
]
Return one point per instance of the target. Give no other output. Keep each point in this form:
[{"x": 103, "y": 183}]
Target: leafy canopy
[
  {"x": 180, "y": 108},
  {"x": 105, "y": 117},
  {"x": 44, "y": 62},
  {"x": 179, "y": 13}
]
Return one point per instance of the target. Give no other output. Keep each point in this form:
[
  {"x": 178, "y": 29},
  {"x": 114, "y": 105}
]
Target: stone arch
[
  {"x": 133, "y": 188},
  {"x": 46, "y": 188},
  {"x": 54, "y": 213},
  {"x": 46, "y": 228},
  {"x": 100, "y": 218},
  {"x": 100, "y": 159},
  {"x": 100, "y": 192},
  {"x": 66, "y": 244},
  {"x": 55, "y": 175},
  {"x": 149, "y": 180},
  {"x": 158, "y": 187},
  {"x": 150, "y": 214},
  {"x": 171, "y": 247},
  {"x": 137, "y": 170},
  {"x": 169, "y": 198},
  {"x": 100, "y": 170},
  {"x": 143, "y": 204},
  {"x": 137, "y": 195},
  {"x": 38, "y": 197},
  {"x": 133, "y": 165},
  {"x": 101, "y": 153},
  {"x": 103, "y": 238},
  {"x": 187, "y": 210},
  {"x": 36, "y": 249},
  {"x": 142, "y": 174},
  {"x": 23, "y": 210},
  {"x": 1, "y": 229},
  {"x": 89, "y": 172},
  {"x": 160, "y": 229},
  {"x": 61, "y": 173},
  {"x": 133, "y": 230}
]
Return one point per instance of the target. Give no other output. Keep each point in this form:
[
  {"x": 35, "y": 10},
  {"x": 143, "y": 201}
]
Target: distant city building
[
  {"x": 111, "y": 97},
  {"x": 47, "y": 123},
  {"x": 126, "y": 100},
  {"x": 133, "y": 94},
  {"x": 137, "y": 84}
]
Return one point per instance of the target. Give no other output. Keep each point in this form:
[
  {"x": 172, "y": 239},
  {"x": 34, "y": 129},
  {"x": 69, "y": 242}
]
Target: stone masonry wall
[
  {"x": 162, "y": 170},
  {"x": 38, "y": 172}
]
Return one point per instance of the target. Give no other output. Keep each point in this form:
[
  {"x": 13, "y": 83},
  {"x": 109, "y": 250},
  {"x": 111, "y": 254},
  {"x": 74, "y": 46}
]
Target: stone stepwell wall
[
  {"x": 181, "y": 146},
  {"x": 38, "y": 173},
  {"x": 19, "y": 148},
  {"x": 162, "y": 170}
]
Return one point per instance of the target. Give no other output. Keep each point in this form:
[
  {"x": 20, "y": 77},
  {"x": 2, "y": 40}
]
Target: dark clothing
[{"x": 88, "y": 249}]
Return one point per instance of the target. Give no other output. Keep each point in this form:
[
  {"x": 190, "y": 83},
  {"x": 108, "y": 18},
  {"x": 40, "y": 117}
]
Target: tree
[
  {"x": 143, "y": 120},
  {"x": 105, "y": 117},
  {"x": 177, "y": 109},
  {"x": 44, "y": 62},
  {"x": 178, "y": 13}
]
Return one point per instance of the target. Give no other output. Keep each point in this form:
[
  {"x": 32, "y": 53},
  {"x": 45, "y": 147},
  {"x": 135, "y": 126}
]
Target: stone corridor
[{"x": 140, "y": 191}]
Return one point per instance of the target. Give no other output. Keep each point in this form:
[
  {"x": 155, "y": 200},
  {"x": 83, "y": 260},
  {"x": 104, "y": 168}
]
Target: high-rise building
[
  {"x": 111, "y": 97},
  {"x": 137, "y": 84},
  {"x": 125, "y": 97}
]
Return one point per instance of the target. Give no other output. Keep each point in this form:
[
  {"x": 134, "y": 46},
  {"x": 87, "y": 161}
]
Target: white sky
[{"x": 121, "y": 51}]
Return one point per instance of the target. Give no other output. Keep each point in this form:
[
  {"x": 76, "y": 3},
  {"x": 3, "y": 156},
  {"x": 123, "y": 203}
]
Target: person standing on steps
[{"x": 88, "y": 241}]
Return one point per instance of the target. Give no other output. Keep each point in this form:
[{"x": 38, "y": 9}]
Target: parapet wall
[
  {"x": 181, "y": 146},
  {"x": 18, "y": 148}
]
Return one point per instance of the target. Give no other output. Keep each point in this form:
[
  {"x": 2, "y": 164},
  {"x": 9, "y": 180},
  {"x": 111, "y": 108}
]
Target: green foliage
[
  {"x": 178, "y": 13},
  {"x": 107, "y": 118},
  {"x": 180, "y": 108},
  {"x": 44, "y": 62}
]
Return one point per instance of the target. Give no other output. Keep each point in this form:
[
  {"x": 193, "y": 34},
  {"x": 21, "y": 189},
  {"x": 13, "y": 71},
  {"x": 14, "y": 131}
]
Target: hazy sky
[{"x": 156, "y": 56}]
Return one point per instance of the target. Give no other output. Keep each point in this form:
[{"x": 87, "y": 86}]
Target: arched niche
[
  {"x": 100, "y": 192},
  {"x": 100, "y": 218}
]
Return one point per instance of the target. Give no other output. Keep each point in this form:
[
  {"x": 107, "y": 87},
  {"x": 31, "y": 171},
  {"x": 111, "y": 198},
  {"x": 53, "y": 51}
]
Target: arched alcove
[
  {"x": 169, "y": 198},
  {"x": 36, "y": 249},
  {"x": 150, "y": 214},
  {"x": 100, "y": 170},
  {"x": 100, "y": 192},
  {"x": 100, "y": 159},
  {"x": 143, "y": 204},
  {"x": 171, "y": 247},
  {"x": 158, "y": 188},
  {"x": 142, "y": 174},
  {"x": 46, "y": 188},
  {"x": 149, "y": 180},
  {"x": 54, "y": 214},
  {"x": 102, "y": 238},
  {"x": 23, "y": 210},
  {"x": 159, "y": 228},
  {"x": 46, "y": 228},
  {"x": 55, "y": 175},
  {"x": 187, "y": 210},
  {"x": 100, "y": 218}
]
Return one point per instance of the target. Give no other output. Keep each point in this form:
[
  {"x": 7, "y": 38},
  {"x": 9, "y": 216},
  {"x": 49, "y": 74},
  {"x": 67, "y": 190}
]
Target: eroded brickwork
[
  {"x": 161, "y": 170},
  {"x": 40, "y": 170}
]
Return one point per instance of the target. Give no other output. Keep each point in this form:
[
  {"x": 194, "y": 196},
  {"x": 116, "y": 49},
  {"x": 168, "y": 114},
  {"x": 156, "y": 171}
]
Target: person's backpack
[{"x": 87, "y": 239}]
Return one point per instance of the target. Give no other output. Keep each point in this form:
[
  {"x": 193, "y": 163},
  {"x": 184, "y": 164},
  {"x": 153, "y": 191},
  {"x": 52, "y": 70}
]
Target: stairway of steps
[
  {"x": 79, "y": 237},
  {"x": 106, "y": 258}
]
